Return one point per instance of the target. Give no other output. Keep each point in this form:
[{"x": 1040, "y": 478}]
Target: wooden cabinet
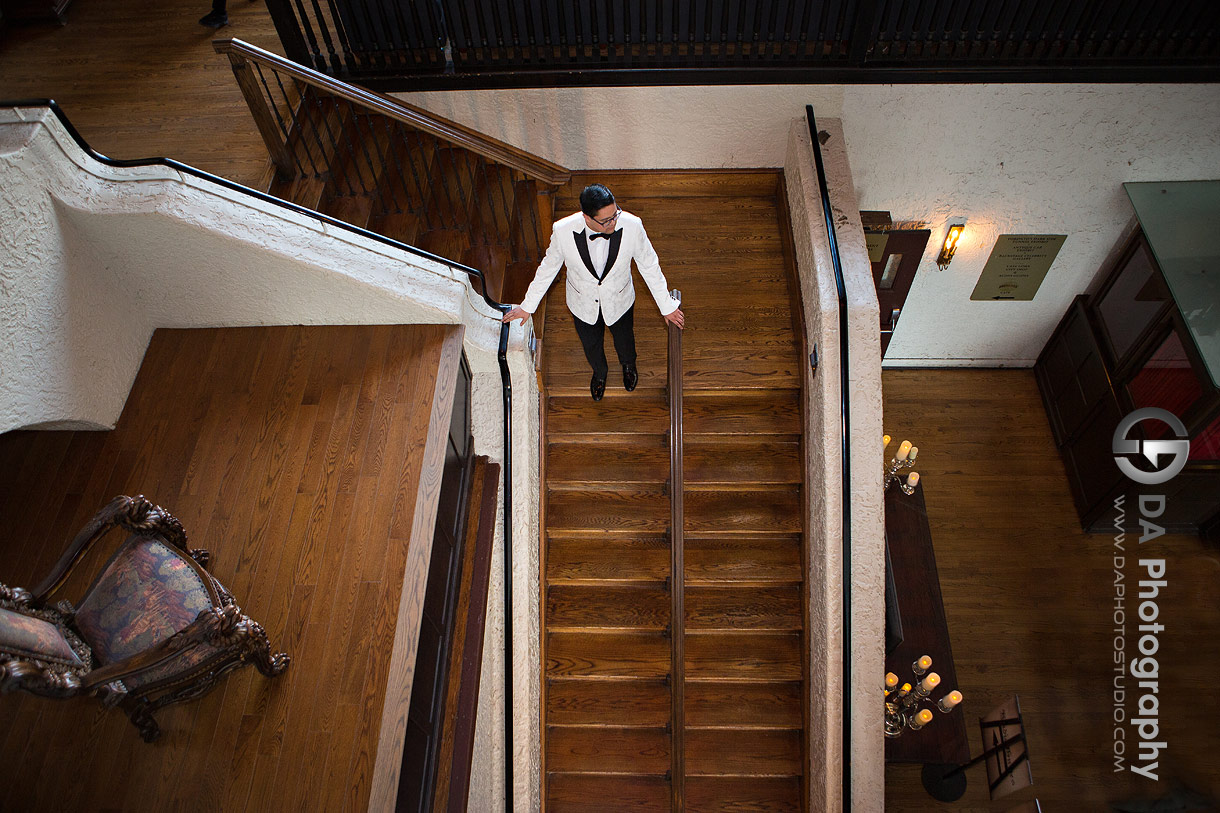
[{"x": 1124, "y": 348}]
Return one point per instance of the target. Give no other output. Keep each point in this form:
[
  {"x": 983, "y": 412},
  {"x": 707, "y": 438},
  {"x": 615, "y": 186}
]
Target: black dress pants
[{"x": 593, "y": 339}]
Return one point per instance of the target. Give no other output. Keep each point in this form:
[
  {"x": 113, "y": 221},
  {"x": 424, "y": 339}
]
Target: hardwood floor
[
  {"x": 140, "y": 79},
  {"x": 295, "y": 455},
  {"x": 1029, "y": 599},
  {"x": 607, "y": 617}
]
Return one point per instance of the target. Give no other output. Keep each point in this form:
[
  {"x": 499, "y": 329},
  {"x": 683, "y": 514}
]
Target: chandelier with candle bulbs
[
  {"x": 902, "y": 704},
  {"x": 904, "y": 458}
]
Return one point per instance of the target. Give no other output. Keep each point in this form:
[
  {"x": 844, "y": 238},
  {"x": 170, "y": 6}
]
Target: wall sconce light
[{"x": 950, "y": 246}]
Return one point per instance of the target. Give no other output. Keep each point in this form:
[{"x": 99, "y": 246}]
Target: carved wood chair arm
[
  {"x": 135, "y": 515},
  {"x": 211, "y": 625}
]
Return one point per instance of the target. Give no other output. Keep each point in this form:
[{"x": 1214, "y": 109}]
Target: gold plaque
[
  {"x": 876, "y": 240},
  {"x": 1017, "y": 266}
]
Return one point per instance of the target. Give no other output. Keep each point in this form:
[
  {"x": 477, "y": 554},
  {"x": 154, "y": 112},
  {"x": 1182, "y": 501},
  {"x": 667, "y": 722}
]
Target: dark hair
[{"x": 594, "y": 198}]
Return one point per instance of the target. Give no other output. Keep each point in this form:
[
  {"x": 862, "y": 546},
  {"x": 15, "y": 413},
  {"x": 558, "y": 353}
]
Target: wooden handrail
[
  {"x": 677, "y": 571},
  {"x": 449, "y": 131}
]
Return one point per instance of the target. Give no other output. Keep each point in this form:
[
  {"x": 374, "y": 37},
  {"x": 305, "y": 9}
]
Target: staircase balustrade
[{"x": 677, "y": 568}]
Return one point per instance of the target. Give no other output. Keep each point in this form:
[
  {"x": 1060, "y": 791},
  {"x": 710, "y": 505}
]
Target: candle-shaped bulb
[
  {"x": 930, "y": 682},
  {"x": 891, "y": 680},
  {"x": 950, "y": 700},
  {"x": 914, "y": 451},
  {"x": 905, "y": 690},
  {"x": 913, "y": 479},
  {"x": 904, "y": 449},
  {"x": 920, "y": 720},
  {"x": 885, "y": 441},
  {"x": 922, "y": 665}
]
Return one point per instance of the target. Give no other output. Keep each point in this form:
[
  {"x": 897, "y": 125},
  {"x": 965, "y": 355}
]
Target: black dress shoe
[
  {"x": 597, "y": 386},
  {"x": 630, "y": 377},
  {"x": 215, "y": 19}
]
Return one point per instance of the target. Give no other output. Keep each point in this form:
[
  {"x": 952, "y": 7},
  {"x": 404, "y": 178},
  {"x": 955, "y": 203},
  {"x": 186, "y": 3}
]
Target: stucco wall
[
  {"x": 94, "y": 258},
  {"x": 824, "y": 475},
  {"x": 1023, "y": 159}
]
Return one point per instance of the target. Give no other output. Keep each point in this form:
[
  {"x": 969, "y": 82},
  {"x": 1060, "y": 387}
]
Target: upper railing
[
  {"x": 400, "y": 171},
  {"x": 270, "y": 108},
  {"x": 487, "y": 43}
]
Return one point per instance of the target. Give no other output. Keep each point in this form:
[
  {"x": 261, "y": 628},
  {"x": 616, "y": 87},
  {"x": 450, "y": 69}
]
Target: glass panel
[
  {"x": 1167, "y": 381},
  {"x": 1206, "y": 444},
  {"x": 1179, "y": 219},
  {"x": 1132, "y": 302},
  {"x": 891, "y": 272}
]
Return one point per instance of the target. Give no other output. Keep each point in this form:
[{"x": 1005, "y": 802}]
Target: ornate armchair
[{"x": 154, "y": 627}]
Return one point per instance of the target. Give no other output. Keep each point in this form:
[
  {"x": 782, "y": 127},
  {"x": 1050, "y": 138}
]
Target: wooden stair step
[
  {"x": 352, "y": 187},
  {"x": 712, "y": 459},
  {"x": 579, "y": 414},
  {"x": 447, "y": 243},
  {"x": 403, "y": 186},
  {"x": 608, "y": 749},
  {"x": 401, "y": 226},
  {"x": 743, "y": 751},
  {"x": 636, "y": 509},
  {"x": 736, "y": 607},
  {"x": 715, "y": 559},
  {"x": 727, "y": 703},
  {"x": 632, "y": 606},
  {"x": 304, "y": 190},
  {"x": 611, "y": 654},
  {"x": 492, "y": 261},
  {"x": 740, "y": 373},
  {"x": 606, "y": 793},
  {"x": 451, "y": 187},
  {"x": 644, "y": 702},
  {"x": 758, "y": 794},
  {"x": 746, "y": 509},
  {"x": 492, "y": 204},
  {"x": 640, "y": 458},
  {"x": 682, "y": 183},
  {"x": 767, "y": 411},
  {"x": 638, "y": 558},
  {"x": 743, "y": 655}
]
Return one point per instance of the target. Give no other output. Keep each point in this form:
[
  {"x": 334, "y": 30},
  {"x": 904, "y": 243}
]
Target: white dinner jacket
[{"x": 613, "y": 293}]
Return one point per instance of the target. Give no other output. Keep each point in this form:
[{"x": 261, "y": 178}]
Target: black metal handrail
[
  {"x": 502, "y": 354},
  {"x": 845, "y": 449}
]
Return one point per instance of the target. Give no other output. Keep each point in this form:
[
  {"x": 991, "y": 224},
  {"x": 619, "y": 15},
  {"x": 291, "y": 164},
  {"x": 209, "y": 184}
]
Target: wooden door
[{"x": 893, "y": 275}]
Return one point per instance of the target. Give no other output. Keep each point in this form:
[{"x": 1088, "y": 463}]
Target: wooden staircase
[
  {"x": 607, "y": 625},
  {"x": 625, "y": 727},
  {"x": 413, "y": 187}
]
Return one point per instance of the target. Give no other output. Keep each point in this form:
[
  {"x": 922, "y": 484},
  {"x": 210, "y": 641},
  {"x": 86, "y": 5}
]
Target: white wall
[
  {"x": 1021, "y": 159},
  {"x": 824, "y": 476},
  {"x": 1016, "y": 159},
  {"x": 94, "y": 258}
]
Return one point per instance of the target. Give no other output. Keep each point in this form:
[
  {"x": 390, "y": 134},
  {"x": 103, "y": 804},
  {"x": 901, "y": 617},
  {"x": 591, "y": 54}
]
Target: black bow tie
[{"x": 598, "y": 234}]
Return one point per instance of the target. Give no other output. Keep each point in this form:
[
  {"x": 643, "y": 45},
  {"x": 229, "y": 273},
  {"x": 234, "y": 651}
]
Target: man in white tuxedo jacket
[{"x": 597, "y": 244}]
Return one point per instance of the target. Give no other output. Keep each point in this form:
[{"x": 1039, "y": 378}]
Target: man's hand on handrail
[
  {"x": 675, "y": 318},
  {"x": 517, "y": 312}
]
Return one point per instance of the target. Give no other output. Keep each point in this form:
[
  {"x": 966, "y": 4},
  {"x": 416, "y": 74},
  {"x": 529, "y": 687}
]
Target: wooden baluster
[{"x": 285, "y": 168}]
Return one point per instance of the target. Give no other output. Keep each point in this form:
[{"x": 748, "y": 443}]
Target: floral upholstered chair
[{"x": 154, "y": 628}]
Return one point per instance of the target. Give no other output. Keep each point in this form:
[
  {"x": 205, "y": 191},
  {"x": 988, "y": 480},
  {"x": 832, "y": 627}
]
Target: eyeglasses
[{"x": 608, "y": 220}]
